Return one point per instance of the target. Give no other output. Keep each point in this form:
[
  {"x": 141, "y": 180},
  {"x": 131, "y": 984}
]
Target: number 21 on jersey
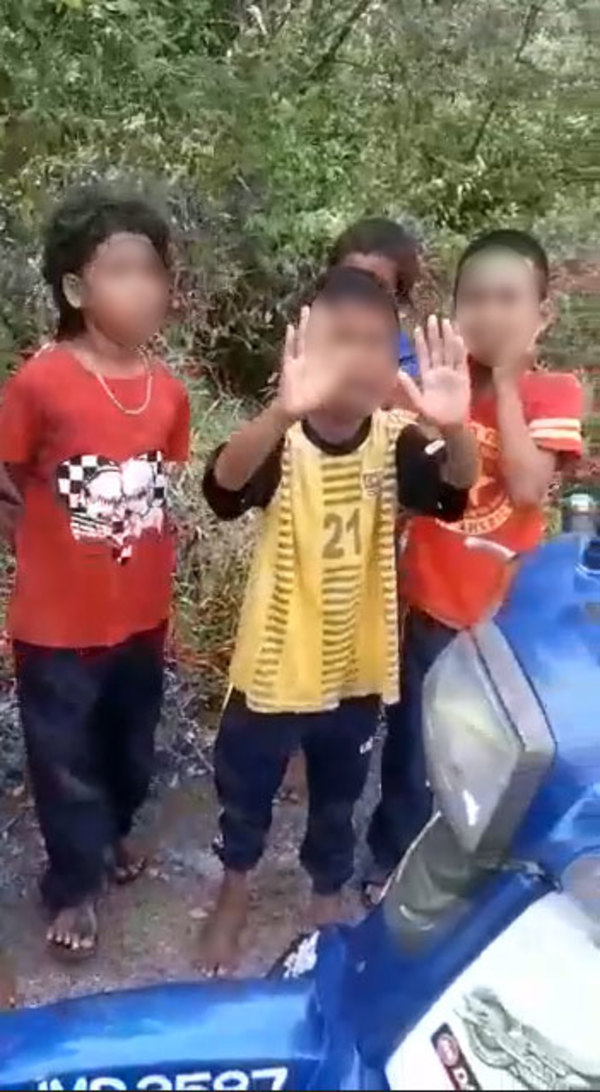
[{"x": 342, "y": 536}]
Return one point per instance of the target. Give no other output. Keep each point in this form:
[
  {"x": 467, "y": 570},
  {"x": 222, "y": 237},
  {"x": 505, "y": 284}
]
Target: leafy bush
[
  {"x": 266, "y": 126},
  {"x": 263, "y": 128}
]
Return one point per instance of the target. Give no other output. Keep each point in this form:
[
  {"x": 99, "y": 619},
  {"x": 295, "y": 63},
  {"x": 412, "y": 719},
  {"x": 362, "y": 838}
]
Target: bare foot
[
  {"x": 220, "y": 936},
  {"x": 293, "y": 789},
  {"x": 327, "y": 910},
  {"x": 128, "y": 861},
  {"x": 74, "y": 932}
]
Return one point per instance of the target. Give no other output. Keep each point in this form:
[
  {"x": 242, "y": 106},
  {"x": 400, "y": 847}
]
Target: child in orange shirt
[{"x": 526, "y": 421}]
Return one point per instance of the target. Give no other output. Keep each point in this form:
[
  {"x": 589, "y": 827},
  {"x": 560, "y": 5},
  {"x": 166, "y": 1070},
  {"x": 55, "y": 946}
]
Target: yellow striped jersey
[
  {"x": 320, "y": 619},
  {"x": 319, "y": 623}
]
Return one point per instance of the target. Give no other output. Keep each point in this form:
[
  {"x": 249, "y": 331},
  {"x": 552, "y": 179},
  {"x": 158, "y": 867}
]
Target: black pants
[
  {"x": 89, "y": 719},
  {"x": 406, "y": 804},
  {"x": 251, "y": 755}
]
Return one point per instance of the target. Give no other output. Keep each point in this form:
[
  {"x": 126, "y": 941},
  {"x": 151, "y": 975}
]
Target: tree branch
[
  {"x": 323, "y": 66},
  {"x": 527, "y": 31},
  {"x": 284, "y": 18}
]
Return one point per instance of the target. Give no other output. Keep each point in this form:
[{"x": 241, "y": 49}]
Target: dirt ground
[{"x": 148, "y": 929}]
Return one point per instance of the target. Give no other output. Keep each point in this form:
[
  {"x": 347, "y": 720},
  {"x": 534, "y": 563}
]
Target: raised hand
[
  {"x": 310, "y": 371},
  {"x": 445, "y": 395},
  {"x": 514, "y": 359}
]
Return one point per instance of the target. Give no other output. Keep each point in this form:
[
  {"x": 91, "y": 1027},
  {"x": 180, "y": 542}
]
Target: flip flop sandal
[
  {"x": 123, "y": 874},
  {"x": 371, "y": 892},
  {"x": 129, "y": 873},
  {"x": 84, "y": 930}
]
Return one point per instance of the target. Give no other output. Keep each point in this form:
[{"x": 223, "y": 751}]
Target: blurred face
[
  {"x": 385, "y": 269},
  {"x": 498, "y": 305},
  {"x": 124, "y": 289},
  {"x": 364, "y": 338},
  {"x": 403, "y": 270}
]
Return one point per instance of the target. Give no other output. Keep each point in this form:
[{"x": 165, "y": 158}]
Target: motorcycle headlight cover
[{"x": 487, "y": 742}]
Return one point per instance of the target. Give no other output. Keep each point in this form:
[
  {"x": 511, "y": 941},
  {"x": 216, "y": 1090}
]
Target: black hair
[
  {"x": 519, "y": 242},
  {"x": 375, "y": 235},
  {"x": 83, "y": 220},
  {"x": 344, "y": 284}
]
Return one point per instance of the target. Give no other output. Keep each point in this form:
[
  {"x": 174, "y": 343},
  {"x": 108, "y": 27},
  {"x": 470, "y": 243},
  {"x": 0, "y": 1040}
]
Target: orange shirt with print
[
  {"x": 439, "y": 574},
  {"x": 94, "y": 545}
]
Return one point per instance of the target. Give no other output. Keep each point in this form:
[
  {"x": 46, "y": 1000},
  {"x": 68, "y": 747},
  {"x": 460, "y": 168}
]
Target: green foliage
[{"x": 266, "y": 126}]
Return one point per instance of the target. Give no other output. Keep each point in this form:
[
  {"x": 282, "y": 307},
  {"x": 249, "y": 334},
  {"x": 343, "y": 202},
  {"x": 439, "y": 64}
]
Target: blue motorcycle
[{"x": 481, "y": 966}]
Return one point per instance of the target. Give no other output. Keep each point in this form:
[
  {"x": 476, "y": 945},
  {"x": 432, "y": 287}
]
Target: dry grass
[{"x": 213, "y": 556}]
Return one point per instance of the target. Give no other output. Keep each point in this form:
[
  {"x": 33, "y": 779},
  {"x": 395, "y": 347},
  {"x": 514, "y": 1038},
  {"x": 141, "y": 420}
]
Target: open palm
[
  {"x": 310, "y": 374},
  {"x": 445, "y": 395}
]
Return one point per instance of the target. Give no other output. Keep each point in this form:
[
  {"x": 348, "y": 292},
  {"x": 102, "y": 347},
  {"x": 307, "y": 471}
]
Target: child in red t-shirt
[
  {"x": 527, "y": 422},
  {"x": 88, "y": 429}
]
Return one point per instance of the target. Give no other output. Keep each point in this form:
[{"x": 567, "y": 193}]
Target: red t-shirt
[
  {"x": 95, "y": 551},
  {"x": 442, "y": 576}
]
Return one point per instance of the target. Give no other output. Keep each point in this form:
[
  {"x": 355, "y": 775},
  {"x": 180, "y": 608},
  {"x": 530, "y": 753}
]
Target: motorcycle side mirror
[
  {"x": 580, "y": 513},
  {"x": 502, "y": 553}
]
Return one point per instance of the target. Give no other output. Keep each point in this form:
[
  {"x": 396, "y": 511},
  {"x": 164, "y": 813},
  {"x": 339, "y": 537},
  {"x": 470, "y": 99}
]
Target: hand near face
[
  {"x": 311, "y": 373},
  {"x": 445, "y": 396}
]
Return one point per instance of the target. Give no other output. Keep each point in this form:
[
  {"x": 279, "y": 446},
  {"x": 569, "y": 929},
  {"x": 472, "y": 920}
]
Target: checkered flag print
[
  {"x": 73, "y": 474},
  {"x": 157, "y": 462},
  {"x": 113, "y": 516}
]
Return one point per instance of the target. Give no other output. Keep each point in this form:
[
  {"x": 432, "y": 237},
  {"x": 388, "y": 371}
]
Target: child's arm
[
  {"x": 249, "y": 448},
  {"x": 421, "y": 469},
  {"x": 527, "y": 470},
  {"x": 461, "y": 459},
  {"x": 19, "y": 436},
  {"x": 530, "y": 451},
  {"x": 307, "y": 381}
]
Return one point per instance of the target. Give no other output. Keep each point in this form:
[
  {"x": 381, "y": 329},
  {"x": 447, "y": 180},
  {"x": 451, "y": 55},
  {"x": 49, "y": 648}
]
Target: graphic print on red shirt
[
  {"x": 438, "y": 573},
  {"x": 114, "y": 502},
  {"x": 95, "y": 550}
]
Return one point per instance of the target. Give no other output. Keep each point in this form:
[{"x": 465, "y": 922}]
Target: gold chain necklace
[{"x": 125, "y": 409}]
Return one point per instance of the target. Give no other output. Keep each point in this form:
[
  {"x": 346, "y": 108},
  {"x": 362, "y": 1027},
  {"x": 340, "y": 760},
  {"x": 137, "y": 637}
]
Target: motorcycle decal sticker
[
  {"x": 522, "y": 1018},
  {"x": 453, "y": 1060},
  {"x": 501, "y": 1042}
]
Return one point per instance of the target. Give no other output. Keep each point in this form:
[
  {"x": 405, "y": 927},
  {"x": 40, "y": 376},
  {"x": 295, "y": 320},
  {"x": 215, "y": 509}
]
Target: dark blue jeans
[
  {"x": 89, "y": 718},
  {"x": 405, "y": 804},
  {"x": 251, "y": 757}
]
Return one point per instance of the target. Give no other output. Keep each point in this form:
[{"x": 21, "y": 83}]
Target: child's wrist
[
  {"x": 505, "y": 380},
  {"x": 280, "y": 414},
  {"x": 450, "y": 432}
]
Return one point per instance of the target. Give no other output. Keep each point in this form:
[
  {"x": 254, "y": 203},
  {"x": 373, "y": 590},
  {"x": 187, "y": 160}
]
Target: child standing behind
[
  {"x": 388, "y": 251},
  {"x": 527, "y": 421},
  {"x": 317, "y": 645},
  {"x": 88, "y": 428}
]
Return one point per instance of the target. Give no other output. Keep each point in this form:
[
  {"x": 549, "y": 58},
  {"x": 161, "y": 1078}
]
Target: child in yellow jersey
[{"x": 317, "y": 647}]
